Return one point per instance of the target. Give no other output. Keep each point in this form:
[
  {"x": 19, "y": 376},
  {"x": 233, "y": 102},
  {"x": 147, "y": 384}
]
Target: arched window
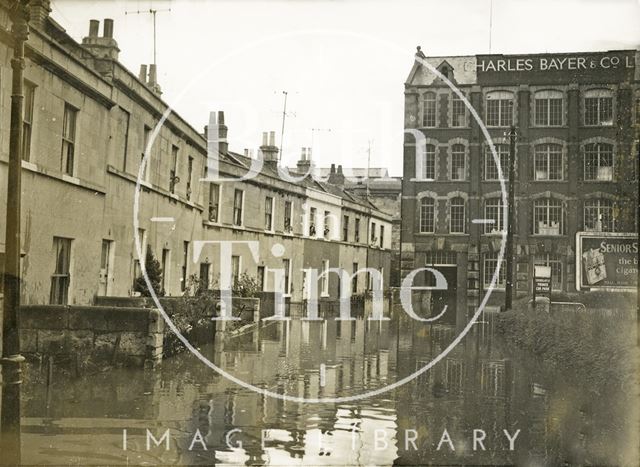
[
  {"x": 456, "y": 215},
  {"x": 599, "y": 215},
  {"x": 499, "y": 108},
  {"x": 547, "y": 162},
  {"x": 547, "y": 217},
  {"x": 548, "y": 108},
  {"x": 458, "y": 162},
  {"x": 598, "y": 162},
  {"x": 427, "y": 215},
  {"x": 429, "y": 109},
  {"x": 598, "y": 107}
]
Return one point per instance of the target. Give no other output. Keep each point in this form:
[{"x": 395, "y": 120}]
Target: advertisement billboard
[{"x": 606, "y": 261}]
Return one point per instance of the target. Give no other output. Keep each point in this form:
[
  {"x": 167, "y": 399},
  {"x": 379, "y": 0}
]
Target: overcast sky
[{"x": 343, "y": 63}]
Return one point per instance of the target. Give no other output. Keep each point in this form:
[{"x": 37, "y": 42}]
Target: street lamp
[{"x": 11, "y": 359}]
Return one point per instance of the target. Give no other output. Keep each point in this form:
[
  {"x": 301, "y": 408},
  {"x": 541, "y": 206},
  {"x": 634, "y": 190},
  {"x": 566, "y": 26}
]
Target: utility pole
[
  {"x": 368, "y": 167},
  {"x": 11, "y": 359},
  {"x": 508, "y": 298},
  {"x": 153, "y": 12}
]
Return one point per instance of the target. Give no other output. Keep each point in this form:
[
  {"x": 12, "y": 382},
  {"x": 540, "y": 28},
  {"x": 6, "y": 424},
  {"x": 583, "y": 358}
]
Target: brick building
[
  {"x": 576, "y": 164},
  {"x": 87, "y": 123}
]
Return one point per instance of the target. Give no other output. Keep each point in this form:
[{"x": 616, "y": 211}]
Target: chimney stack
[
  {"x": 39, "y": 12},
  {"x": 304, "y": 164},
  {"x": 269, "y": 149},
  {"x": 103, "y": 49},
  {"x": 153, "y": 79},
  {"x": 336, "y": 177},
  {"x": 219, "y": 132},
  {"x": 222, "y": 133},
  {"x": 142, "y": 76}
]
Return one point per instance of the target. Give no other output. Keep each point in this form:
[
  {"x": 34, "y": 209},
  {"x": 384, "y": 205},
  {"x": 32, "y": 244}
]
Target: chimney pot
[
  {"x": 108, "y": 28},
  {"x": 272, "y": 138},
  {"x": 152, "y": 75},
  {"x": 143, "y": 73},
  {"x": 94, "y": 27},
  {"x": 220, "y": 117},
  {"x": 265, "y": 138},
  {"x": 340, "y": 169},
  {"x": 333, "y": 169}
]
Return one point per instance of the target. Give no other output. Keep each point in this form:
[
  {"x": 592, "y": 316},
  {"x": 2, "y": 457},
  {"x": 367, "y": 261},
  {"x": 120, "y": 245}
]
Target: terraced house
[
  {"x": 576, "y": 117},
  {"x": 88, "y": 121}
]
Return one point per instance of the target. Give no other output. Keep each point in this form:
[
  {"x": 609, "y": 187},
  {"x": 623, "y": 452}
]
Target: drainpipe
[{"x": 11, "y": 359}]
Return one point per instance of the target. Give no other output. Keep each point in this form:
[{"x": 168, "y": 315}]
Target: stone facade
[{"x": 91, "y": 122}]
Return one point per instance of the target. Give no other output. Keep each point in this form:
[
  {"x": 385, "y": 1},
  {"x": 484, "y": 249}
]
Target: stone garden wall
[{"x": 119, "y": 335}]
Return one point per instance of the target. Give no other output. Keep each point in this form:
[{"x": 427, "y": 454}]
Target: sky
[{"x": 343, "y": 63}]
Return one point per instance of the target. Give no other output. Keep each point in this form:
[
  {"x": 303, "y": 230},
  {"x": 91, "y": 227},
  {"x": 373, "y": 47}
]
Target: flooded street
[{"x": 509, "y": 398}]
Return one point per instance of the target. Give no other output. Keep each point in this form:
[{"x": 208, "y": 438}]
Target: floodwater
[{"x": 480, "y": 385}]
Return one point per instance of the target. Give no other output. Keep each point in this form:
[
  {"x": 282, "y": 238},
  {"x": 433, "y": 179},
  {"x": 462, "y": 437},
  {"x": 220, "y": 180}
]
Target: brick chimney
[
  {"x": 269, "y": 149},
  {"x": 304, "y": 164},
  {"x": 105, "y": 47},
  {"x": 336, "y": 177},
  {"x": 39, "y": 12}
]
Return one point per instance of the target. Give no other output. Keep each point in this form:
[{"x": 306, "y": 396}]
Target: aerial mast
[{"x": 153, "y": 13}]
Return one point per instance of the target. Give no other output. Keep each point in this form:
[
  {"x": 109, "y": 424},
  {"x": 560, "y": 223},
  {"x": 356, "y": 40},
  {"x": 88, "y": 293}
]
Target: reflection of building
[
  {"x": 575, "y": 163},
  {"x": 88, "y": 121}
]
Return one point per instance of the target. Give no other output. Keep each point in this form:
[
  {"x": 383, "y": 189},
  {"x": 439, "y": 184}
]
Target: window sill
[
  {"x": 548, "y": 235},
  {"x": 549, "y": 127},
  {"x": 597, "y": 181},
  {"x": 550, "y": 181},
  {"x": 71, "y": 179}
]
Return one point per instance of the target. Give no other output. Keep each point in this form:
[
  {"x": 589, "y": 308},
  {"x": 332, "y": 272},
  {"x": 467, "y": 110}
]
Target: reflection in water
[{"x": 478, "y": 386}]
